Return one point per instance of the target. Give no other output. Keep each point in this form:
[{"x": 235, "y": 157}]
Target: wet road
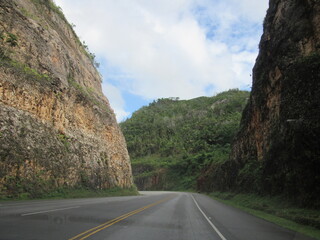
[{"x": 153, "y": 215}]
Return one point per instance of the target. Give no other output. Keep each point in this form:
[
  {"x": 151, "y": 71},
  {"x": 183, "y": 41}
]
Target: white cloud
[
  {"x": 116, "y": 100},
  {"x": 171, "y": 48}
]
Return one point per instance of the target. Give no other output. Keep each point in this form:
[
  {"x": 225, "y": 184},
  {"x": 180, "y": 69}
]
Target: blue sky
[{"x": 149, "y": 49}]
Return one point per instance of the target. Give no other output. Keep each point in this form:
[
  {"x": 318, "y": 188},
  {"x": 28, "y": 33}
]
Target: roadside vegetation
[
  {"x": 64, "y": 193},
  {"x": 276, "y": 210},
  {"x": 184, "y": 145}
]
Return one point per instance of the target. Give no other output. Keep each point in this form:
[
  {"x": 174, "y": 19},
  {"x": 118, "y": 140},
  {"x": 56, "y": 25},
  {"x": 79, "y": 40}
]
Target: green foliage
[
  {"x": 86, "y": 93},
  {"x": 33, "y": 72},
  {"x": 62, "y": 193},
  {"x": 12, "y": 39},
  {"x": 275, "y": 209},
  {"x": 35, "y": 17},
  {"x": 51, "y": 6},
  {"x": 290, "y": 164},
  {"x": 37, "y": 186},
  {"x": 15, "y": 187},
  {"x": 26, "y": 13},
  {"x": 89, "y": 193},
  {"x": 91, "y": 55},
  {"x": 170, "y": 127},
  {"x": 77, "y": 86},
  {"x": 183, "y": 136},
  {"x": 250, "y": 176},
  {"x": 65, "y": 140},
  {"x": 7, "y": 39},
  {"x": 28, "y": 72}
]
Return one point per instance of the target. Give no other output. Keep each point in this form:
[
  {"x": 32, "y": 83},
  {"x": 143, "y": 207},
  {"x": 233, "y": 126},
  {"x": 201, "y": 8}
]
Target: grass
[
  {"x": 67, "y": 193},
  {"x": 276, "y": 210},
  {"x": 51, "y": 6},
  {"x": 28, "y": 14},
  {"x": 65, "y": 140},
  {"x": 26, "y": 71},
  {"x": 86, "y": 193},
  {"x": 88, "y": 94}
]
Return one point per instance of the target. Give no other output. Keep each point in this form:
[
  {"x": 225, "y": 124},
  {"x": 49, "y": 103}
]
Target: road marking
[
  {"x": 53, "y": 210},
  {"x": 105, "y": 225},
  {"x": 212, "y": 225}
]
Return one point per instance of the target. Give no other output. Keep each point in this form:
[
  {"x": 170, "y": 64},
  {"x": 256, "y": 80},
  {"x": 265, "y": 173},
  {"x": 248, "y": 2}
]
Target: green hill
[{"x": 172, "y": 141}]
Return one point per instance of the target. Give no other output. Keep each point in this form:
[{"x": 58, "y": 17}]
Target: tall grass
[{"x": 276, "y": 210}]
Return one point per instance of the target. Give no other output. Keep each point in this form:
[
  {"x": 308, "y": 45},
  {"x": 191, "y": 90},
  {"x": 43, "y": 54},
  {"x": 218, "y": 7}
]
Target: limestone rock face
[
  {"x": 277, "y": 148},
  {"x": 57, "y": 129}
]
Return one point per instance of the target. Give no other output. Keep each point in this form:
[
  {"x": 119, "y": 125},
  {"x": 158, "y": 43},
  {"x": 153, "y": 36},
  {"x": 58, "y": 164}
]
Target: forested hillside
[{"x": 172, "y": 141}]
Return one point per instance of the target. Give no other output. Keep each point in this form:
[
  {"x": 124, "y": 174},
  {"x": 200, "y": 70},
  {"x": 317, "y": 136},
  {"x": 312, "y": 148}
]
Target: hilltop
[{"x": 171, "y": 141}]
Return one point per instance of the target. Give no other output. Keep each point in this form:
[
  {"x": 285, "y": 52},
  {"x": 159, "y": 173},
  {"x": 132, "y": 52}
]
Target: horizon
[{"x": 184, "y": 49}]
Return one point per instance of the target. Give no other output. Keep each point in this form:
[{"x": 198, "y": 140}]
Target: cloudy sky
[{"x": 149, "y": 49}]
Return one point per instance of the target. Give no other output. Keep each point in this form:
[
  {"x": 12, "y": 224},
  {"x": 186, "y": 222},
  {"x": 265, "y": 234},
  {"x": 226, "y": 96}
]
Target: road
[{"x": 153, "y": 215}]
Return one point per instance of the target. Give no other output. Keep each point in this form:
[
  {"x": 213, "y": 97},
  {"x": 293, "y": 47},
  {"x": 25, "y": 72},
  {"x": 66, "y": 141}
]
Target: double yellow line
[{"x": 105, "y": 225}]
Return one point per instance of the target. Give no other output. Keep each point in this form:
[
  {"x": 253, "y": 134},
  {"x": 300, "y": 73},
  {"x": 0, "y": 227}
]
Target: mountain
[
  {"x": 56, "y": 127},
  {"x": 171, "y": 141},
  {"x": 277, "y": 150}
]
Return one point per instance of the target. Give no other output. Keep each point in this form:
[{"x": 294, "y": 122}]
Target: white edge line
[
  {"x": 212, "y": 225},
  {"x": 53, "y": 210}
]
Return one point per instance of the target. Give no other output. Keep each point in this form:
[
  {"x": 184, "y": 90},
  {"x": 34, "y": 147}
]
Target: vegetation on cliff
[
  {"x": 276, "y": 151},
  {"x": 57, "y": 130},
  {"x": 172, "y": 141}
]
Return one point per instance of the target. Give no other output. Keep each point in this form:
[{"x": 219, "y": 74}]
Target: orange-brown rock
[{"x": 57, "y": 128}]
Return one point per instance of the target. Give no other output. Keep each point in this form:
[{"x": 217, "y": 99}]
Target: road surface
[{"x": 153, "y": 215}]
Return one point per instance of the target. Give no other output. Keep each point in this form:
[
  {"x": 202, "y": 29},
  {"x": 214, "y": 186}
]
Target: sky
[{"x": 150, "y": 49}]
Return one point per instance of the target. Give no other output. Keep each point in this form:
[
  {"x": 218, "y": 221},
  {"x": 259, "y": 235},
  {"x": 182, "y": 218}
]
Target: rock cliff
[
  {"x": 277, "y": 150},
  {"x": 56, "y": 127}
]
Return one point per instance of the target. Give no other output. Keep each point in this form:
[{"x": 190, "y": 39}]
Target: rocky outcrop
[
  {"x": 277, "y": 149},
  {"x": 56, "y": 127},
  {"x": 146, "y": 180}
]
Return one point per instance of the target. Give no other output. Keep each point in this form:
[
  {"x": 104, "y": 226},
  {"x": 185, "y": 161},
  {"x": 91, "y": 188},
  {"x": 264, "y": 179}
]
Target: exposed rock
[
  {"x": 56, "y": 127},
  {"x": 277, "y": 150}
]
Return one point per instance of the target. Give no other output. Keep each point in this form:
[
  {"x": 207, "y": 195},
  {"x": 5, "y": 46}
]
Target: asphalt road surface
[{"x": 153, "y": 215}]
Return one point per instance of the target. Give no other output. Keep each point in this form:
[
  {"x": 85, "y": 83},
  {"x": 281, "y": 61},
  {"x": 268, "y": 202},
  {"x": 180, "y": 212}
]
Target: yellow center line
[
  {"x": 105, "y": 225},
  {"x": 79, "y": 235}
]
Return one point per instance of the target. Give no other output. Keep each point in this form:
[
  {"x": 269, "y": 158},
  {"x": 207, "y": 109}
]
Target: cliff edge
[
  {"x": 56, "y": 127},
  {"x": 277, "y": 150}
]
